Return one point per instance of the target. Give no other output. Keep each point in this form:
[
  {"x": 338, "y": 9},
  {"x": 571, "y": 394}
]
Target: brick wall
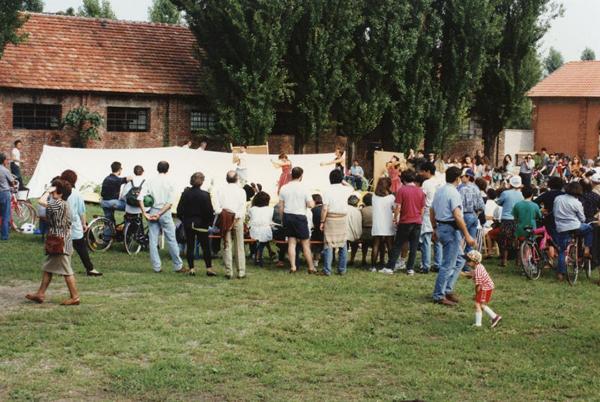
[{"x": 172, "y": 110}]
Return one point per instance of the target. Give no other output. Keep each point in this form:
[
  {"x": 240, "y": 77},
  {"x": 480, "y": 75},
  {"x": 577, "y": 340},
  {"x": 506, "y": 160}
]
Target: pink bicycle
[{"x": 534, "y": 252}]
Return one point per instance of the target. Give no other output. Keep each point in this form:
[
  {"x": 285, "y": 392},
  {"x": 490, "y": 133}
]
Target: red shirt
[
  {"x": 482, "y": 278},
  {"x": 412, "y": 201}
]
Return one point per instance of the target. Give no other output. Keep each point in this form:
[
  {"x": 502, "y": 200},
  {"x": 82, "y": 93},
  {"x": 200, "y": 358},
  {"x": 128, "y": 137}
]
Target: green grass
[{"x": 275, "y": 336}]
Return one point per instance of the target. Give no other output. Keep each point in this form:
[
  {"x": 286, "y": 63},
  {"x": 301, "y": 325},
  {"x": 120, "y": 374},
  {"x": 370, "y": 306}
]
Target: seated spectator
[
  {"x": 261, "y": 219},
  {"x": 353, "y": 226},
  {"x": 526, "y": 213},
  {"x": 357, "y": 175},
  {"x": 317, "y": 233}
]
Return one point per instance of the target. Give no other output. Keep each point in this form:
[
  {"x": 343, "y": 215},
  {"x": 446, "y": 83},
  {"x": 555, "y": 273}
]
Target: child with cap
[{"x": 484, "y": 286}]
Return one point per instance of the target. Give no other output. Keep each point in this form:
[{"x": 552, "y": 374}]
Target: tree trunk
[{"x": 490, "y": 136}]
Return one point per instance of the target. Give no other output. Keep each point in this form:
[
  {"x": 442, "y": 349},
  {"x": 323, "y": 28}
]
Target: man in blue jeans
[
  {"x": 159, "y": 217},
  {"x": 472, "y": 205},
  {"x": 448, "y": 224},
  {"x": 6, "y": 184},
  {"x": 111, "y": 190}
]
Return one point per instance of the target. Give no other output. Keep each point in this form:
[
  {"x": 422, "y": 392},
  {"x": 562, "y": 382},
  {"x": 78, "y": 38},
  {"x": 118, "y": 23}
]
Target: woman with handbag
[{"x": 58, "y": 244}]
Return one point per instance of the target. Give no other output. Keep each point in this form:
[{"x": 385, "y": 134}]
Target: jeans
[
  {"x": 328, "y": 259},
  {"x": 407, "y": 232},
  {"x": 4, "y": 214},
  {"x": 425, "y": 247},
  {"x": 109, "y": 207},
  {"x": 450, "y": 239},
  {"x": 471, "y": 221},
  {"x": 585, "y": 230},
  {"x": 356, "y": 182},
  {"x": 437, "y": 253},
  {"x": 165, "y": 222}
]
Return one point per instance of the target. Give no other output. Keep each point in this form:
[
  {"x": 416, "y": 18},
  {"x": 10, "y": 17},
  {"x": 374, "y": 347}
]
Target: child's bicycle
[
  {"x": 575, "y": 260},
  {"x": 534, "y": 254},
  {"x": 102, "y": 233}
]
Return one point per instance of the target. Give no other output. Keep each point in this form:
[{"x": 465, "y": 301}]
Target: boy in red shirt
[
  {"x": 484, "y": 287},
  {"x": 408, "y": 215}
]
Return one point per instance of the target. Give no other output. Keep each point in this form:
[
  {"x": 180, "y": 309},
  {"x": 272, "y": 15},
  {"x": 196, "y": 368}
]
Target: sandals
[
  {"x": 34, "y": 298},
  {"x": 71, "y": 302}
]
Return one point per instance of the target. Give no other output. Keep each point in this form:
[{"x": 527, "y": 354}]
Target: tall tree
[
  {"x": 10, "y": 22},
  {"x": 553, "y": 61},
  {"x": 588, "y": 54},
  {"x": 34, "y": 6},
  {"x": 514, "y": 66},
  {"x": 458, "y": 58},
  {"x": 243, "y": 44},
  {"x": 97, "y": 9},
  {"x": 319, "y": 47},
  {"x": 164, "y": 11}
]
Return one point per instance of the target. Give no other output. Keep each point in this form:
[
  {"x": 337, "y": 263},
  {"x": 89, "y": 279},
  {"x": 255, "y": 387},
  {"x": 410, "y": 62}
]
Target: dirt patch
[{"x": 12, "y": 294}]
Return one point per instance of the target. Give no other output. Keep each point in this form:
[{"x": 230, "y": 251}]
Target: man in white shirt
[
  {"x": 239, "y": 159},
  {"x": 333, "y": 221},
  {"x": 15, "y": 164},
  {"x": 294, "y": 199},
  {"x": 159, "y": 217},
  {"x": 232, "y": 198},
  {"x": 430, "y": 186}
]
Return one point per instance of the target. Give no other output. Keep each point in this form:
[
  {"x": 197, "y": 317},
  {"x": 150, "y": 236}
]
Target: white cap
[{"x": 515, "y": 181}]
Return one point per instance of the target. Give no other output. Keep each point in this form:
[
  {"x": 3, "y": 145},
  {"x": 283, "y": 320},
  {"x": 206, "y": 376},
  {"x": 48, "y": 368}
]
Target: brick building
[
  {"x": 143, "y": 78},
  {"x": 566, "y": 116}
]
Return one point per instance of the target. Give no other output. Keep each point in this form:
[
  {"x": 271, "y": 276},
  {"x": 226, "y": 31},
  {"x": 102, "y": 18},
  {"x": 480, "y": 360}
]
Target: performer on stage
[
  {"x": 286, "y": 170},
  {"x": 394, "y": 170},
  {"x": 339, "y": 161}
]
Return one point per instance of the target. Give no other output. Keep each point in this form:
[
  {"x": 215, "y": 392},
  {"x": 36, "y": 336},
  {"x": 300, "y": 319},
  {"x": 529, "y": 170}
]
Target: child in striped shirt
[{"x": 484, "y": 286}]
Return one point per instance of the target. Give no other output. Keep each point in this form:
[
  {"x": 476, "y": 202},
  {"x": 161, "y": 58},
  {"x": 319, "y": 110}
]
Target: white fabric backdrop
[{"x": 93, "y": 165}]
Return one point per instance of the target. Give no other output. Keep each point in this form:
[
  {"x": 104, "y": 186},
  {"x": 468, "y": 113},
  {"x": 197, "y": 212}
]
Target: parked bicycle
[
  {"x": 534, "y": 252},
  {"x": 102, "y": 233},
  {"x": 22, "y": 211},
  {"x": 575, "y": 260}
]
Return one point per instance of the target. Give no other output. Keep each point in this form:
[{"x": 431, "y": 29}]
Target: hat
[
  {"x": 515, "y": 181},
  {"x": 474, "y": 256},
  {"x": 468, "y": 172}
]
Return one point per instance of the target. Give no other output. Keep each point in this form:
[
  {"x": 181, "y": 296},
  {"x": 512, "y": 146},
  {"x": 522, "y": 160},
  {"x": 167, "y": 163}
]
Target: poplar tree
[
  {"x": 553, "y": 61},
  {"x": 164, "y": 11},
  {"x": 97, "y": 9},
  {"x": 10, "y": 21}
]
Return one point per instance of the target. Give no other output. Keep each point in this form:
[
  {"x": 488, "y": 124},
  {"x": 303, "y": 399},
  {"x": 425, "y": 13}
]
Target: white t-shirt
[
  {"x": 383, "y": 215},
  {"x": 492, "y": 209},
  {"x": 430, "y": 186},
  {"x": 161, "y": 189},
  {"x": 243, "y": 163},
  {"x": 136, "y": 182},
  {"x": 260, "y": 223},
  {"x": 335, "y": 198},
  {"x": 16, "y": 156},
  {"x": 295, "y": 198}
]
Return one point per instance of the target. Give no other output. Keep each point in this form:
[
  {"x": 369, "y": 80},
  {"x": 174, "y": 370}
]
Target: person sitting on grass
[
  {"x": 484, "y": 287},
  {"x": 526, "y": 213},
  {"x": 58, "y": 244}
]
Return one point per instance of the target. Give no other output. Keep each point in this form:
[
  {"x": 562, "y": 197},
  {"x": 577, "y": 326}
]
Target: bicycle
[
  {"x": 102, "y": 232},
  {"x": 575, "y": 260},
  {"x": 22, "y": 211},
  {"x": 534, "y": 254}
]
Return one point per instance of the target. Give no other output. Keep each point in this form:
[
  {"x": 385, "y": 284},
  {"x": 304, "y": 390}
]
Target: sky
[{"x": 577, "y": 29}]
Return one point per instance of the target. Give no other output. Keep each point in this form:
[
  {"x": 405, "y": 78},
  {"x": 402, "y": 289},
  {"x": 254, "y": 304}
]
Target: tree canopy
[
  {"x": 553, "y": 61},
  {"x": 164, "y": 11},
  {"x": 96, "y": 9},
  {"x": 10, "y": 22},
  {"x": 588, "y": 54},
  {"x": 34, "y": 6}
]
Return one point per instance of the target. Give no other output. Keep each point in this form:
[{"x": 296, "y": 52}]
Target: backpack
[{"x": 131, "y": 198}]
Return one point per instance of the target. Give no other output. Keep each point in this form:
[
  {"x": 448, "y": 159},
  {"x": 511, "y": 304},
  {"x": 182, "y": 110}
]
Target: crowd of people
[{"x": 443, "y": 210}]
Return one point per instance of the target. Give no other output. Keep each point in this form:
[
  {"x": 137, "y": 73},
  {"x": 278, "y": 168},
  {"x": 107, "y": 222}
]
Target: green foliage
[
  {"x": 10, "y": 22},
  {"x": 85, "y": 123},
  {"x": 97, "y": 9},
  {"x": 69, "y": 11},
  {"x": 164, "y": 11},
  {"x": 243, "y": 43},
  {"x": 553, "y": 61},
  {"x": 588, "y": 54},
  {"x": 34, "y": 6}
]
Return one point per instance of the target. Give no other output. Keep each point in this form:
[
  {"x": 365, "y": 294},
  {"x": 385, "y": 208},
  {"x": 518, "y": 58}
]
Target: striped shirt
[{"x": 482, "y": 278}]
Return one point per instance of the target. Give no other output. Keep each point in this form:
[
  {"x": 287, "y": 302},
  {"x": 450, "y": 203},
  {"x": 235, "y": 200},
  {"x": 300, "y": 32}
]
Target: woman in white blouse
[
  {"x": 260, "y": 222},
  {"x": 383, "y": 225}
]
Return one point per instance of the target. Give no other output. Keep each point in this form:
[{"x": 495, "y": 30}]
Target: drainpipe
[{"x": 166, "y": 139}]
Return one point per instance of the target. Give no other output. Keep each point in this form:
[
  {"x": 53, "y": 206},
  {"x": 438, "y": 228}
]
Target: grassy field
[{"x": 275, "y": 336}]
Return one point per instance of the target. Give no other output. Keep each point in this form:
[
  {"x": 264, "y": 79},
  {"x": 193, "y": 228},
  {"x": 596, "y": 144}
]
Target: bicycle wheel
[
  {"x": 133, "y": 237},
  {"x": 100, "y": 234},
  {"x": 528, "y": 263},
  {"x": 572, "y": 263},
  {"x": 588, "y": 268},
  {"x": 22, "y": 213}
]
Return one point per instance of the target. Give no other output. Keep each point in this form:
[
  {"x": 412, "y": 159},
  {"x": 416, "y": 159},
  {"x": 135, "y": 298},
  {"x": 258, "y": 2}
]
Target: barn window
[
  {"x": 202, "y": 120},
  {"x": 127, "y": 119},
  {"x": 36, "y": 117}
]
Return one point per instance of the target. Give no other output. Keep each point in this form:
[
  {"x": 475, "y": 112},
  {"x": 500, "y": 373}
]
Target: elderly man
[{"x": 231, "y": 204}]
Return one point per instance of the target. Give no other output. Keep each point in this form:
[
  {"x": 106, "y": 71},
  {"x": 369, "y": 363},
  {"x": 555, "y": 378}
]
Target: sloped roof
[
  {"x": 576, "y": 79},
  {"x": 89, "y": 54}
]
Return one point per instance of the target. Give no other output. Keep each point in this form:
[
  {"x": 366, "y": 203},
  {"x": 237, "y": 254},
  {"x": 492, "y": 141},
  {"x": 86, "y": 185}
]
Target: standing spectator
[
  {"x": 354, "y": 226},
  {"x": 15, "y": 164},
  {"x": 590, "y": 201},
  {"x": 58, "y": 245},
  {"x": 526, "y": 170},
  {"x": 159, "y": 217},
  {"x": 333, "y": 221},
  {"x": 408, "y": 214},
  {"x": 294, "y": 199},
  {"x": 316, "y": 236},
  {"x": 261, "y": 219},
  {"x": 526, "y": 213},
  {"x": 241, "y": 162},
  {"x": 357, "y": 175},
  {"x": 6, "y": 185},
  {"x": 472, "y": 205},
  {"x": 493, "y": 213},
  {"x": 196, "y": 211},
  {"x": 448, "y": 224},
  {"x": 546, "y": 201},
  {"x": 110, "y": 193},
  {"x": 430, "y": 186},
  {"x": 202, "y": 146},
  {"x": 78, "y": 223},
  {"x": 137, "y": 181},
  {"x": 367, "y": 226},
  {"x": 232, "y": 202},
  {"x": 507, "y": 200},
  {"x": 383, "y": 224}
]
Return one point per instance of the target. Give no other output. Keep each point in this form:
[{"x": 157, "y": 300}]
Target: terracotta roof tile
[
  {"x": 576, "y": 79},
  {"x": 88, "y": 54}
]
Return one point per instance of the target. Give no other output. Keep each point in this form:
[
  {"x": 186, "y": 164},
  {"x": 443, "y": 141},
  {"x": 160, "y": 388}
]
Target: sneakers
[
  {"x": 93, "y": 272},
  {"x": 373, "y": 269},
  {"x": 410, "y": 272},
  {"x": 496, "y": 321},
  {"x": 400, "y": 265},
  {"x": 386, "y": 271}
]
